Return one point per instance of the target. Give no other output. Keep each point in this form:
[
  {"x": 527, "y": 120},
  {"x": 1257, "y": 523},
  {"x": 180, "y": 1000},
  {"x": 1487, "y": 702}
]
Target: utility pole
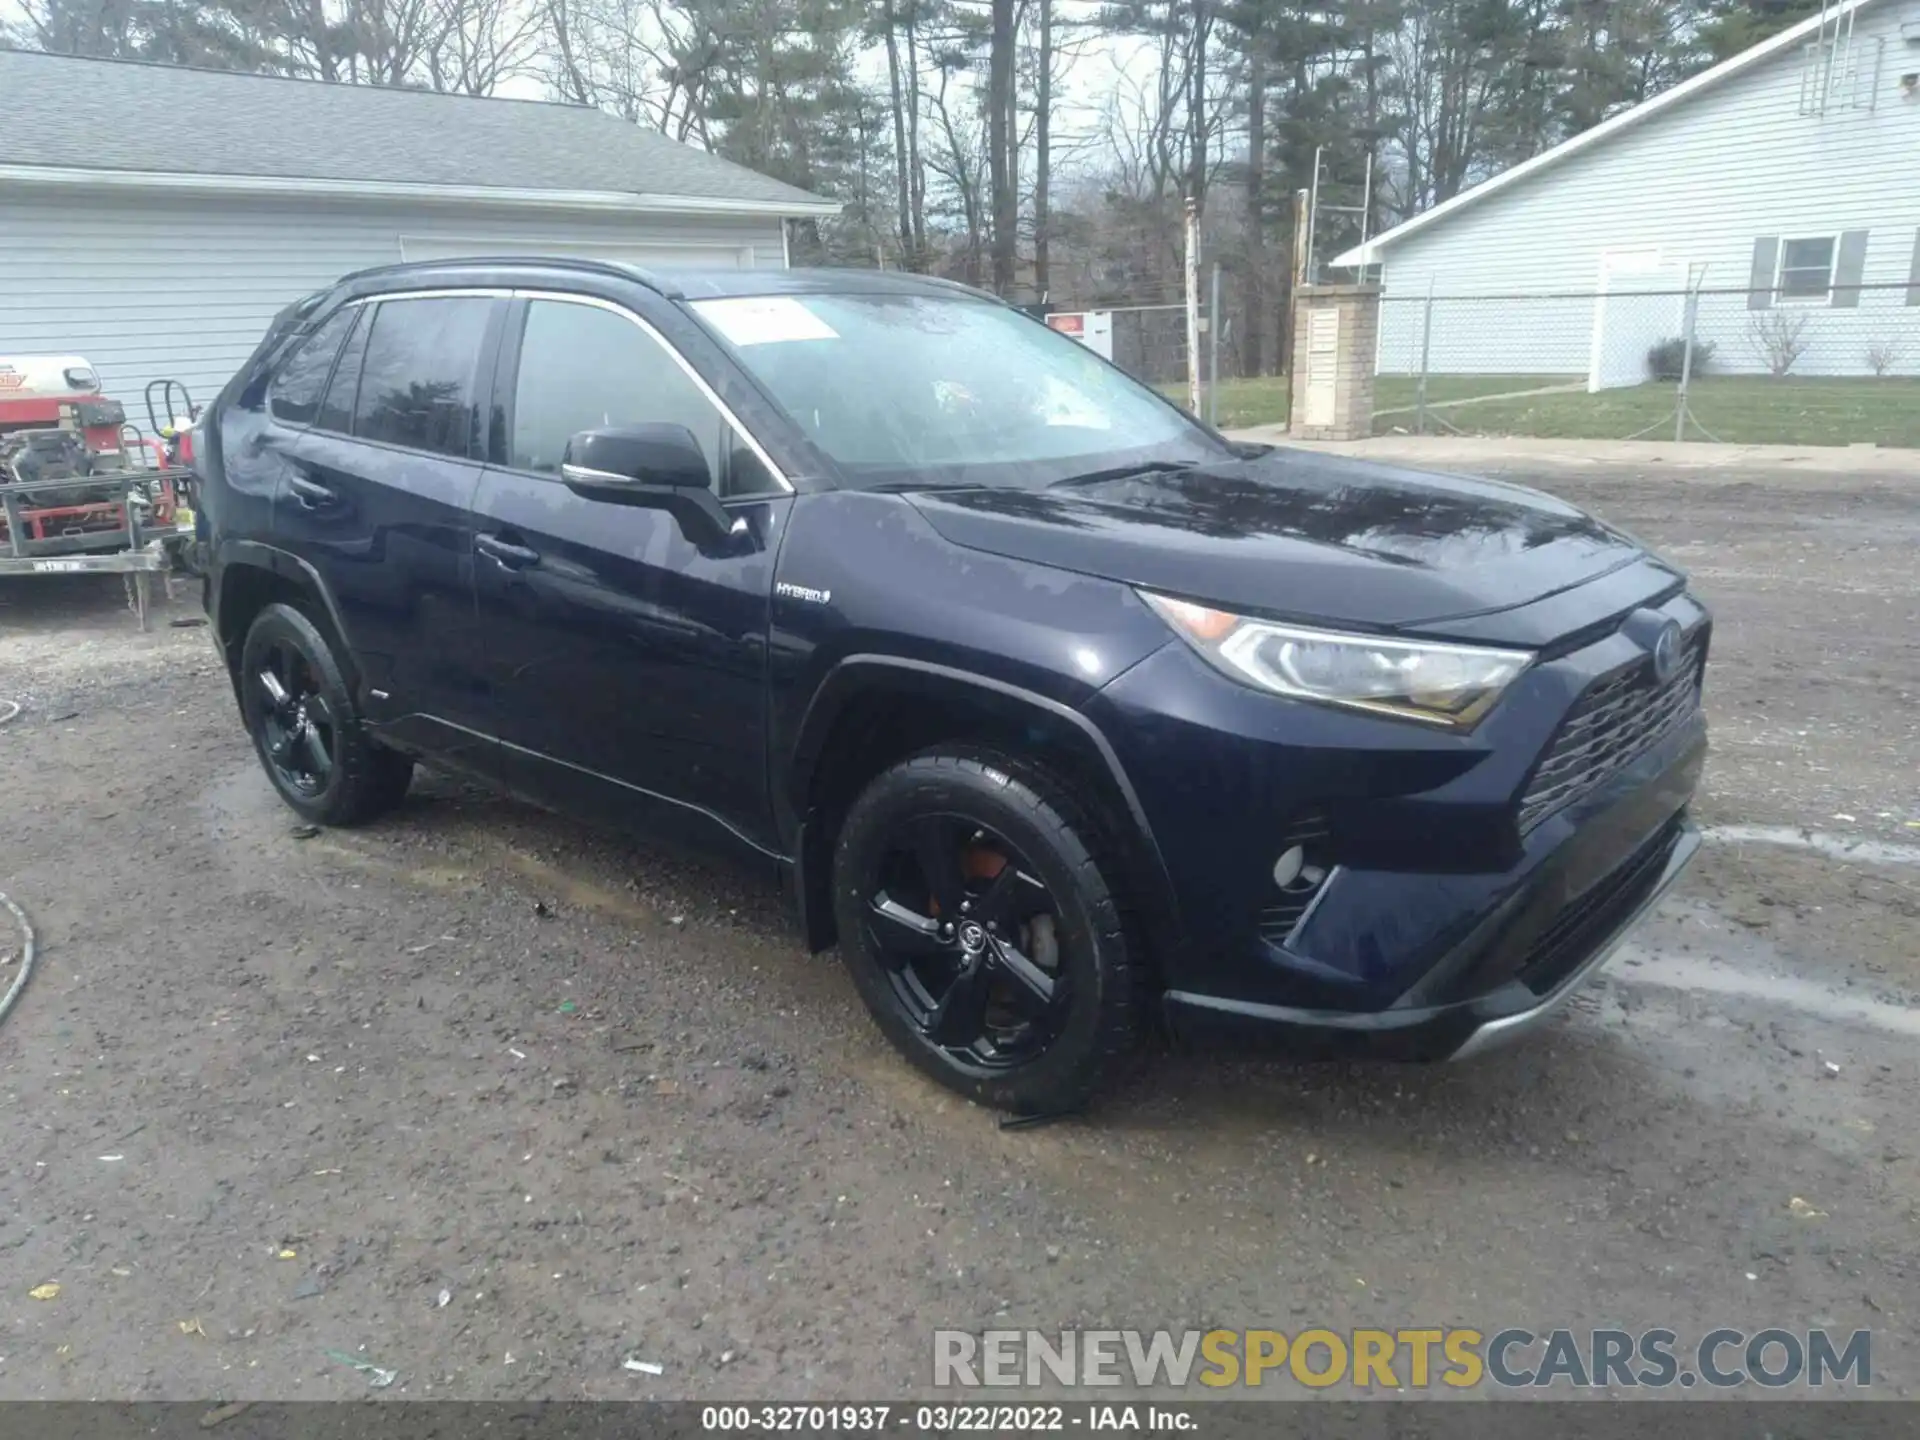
[
  {"x": 1296, "y": 278},
  {"x": 1193, "y": 306}
]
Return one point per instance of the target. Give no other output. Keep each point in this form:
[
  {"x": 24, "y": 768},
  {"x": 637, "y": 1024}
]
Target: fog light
[{"x": 1287, "y": 868}]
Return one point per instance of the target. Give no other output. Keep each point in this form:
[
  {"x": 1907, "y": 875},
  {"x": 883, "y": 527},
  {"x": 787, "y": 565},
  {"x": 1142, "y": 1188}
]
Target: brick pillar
[{"x": 1336, "y": 332}]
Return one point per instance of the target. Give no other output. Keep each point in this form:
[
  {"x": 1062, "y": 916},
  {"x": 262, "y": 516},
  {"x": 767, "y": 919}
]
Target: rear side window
[
  {"x": 336, "y": 411},
  {"x": 417, "y": 379},
  {"x": 294, "y": 396}
]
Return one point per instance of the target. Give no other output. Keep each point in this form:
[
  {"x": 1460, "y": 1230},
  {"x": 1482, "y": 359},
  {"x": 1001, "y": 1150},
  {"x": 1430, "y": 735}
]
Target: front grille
[
  {"x": 1617, "y": 721},
  {"x": 1285, "y": 907},
  {"x": 1577, "y": 930}
]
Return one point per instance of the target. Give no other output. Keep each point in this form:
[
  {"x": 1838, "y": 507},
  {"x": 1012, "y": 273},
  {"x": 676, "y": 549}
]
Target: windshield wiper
[
  {"x": 902, "y": 487},
  {"x": 1124, "y": 472}
]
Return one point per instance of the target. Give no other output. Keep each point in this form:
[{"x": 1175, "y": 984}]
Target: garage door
[{"x": 654, "y": 256}]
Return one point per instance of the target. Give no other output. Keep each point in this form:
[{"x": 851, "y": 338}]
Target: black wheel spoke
[
  {"x": 1031, "y": 988},
  {"x": 270, "y": 685},
  {"x": 1013, "y": 897},
  {"x": 961, "y": 1016},
  {"x": 902, "y": 935},
  {"x": 314, "y": 748},
  {"x": 936, "y": 845}
]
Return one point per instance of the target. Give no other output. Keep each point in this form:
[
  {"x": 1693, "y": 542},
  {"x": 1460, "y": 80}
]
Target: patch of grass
[
  {"x": 1739, "y": 409},
  {"x": 1243, "y": 403},
  {"x": 1399, "y": 394},
  {"x": 1264, "y": 400}
]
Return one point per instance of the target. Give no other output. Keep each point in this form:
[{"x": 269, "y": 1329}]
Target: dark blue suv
[{"x": 1055, "y": 708}]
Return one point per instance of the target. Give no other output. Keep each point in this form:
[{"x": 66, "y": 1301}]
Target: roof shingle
[{"x": 130, "y": 116}]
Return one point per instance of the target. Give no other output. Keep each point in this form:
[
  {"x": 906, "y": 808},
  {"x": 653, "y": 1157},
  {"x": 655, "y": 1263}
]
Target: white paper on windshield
[{"x": 765, "y": 320}]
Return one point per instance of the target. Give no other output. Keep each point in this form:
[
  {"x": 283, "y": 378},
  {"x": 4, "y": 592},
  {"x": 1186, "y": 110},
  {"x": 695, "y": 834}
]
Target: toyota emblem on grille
[{"x": 1666, "y": 652}]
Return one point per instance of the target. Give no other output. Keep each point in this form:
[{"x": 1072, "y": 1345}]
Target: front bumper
[
  {"x": 1442, "y": 916},
  {"x": 1471, "y": 1027}
]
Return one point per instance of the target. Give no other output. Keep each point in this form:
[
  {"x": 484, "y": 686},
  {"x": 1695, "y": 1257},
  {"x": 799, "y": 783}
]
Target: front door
[{"x": 627, "y": 664}]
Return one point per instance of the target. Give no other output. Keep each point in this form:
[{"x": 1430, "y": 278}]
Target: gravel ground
[{"x": 496, "y": 1102}]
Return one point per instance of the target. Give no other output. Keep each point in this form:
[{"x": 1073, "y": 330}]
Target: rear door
[
  {"x": 378, "y": 499},
  {"x": 628, "y": 663},
  {"x": 257, "y": 433}
]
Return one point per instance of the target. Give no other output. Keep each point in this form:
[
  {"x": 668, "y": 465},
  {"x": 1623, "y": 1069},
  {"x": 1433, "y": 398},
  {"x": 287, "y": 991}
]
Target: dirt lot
[{"x": 495, "y": 1102}]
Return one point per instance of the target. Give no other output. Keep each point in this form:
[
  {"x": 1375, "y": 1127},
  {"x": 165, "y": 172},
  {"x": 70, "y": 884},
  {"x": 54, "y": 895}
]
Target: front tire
[
  {"x": 977, "y": 916},
  {"x": 310, "y": 739}
]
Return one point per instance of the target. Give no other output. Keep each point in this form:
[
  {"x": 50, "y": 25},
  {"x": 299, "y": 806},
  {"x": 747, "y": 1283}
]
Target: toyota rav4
[{"x": 1057, "y": 710}]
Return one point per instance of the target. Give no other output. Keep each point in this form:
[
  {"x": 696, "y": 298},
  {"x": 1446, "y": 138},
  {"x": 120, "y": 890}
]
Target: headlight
[{"x": 1451, "y": 685}]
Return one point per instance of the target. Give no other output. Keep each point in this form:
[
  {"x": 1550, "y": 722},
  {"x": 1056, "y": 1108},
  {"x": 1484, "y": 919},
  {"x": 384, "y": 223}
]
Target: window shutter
[
  {"x": 1766, "y": 263},
  {"x": 1913, "y": 275},
  {"x": 1852, "y": 265}
]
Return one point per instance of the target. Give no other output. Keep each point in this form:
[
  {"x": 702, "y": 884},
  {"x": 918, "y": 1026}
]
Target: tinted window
[
  {"x": 417, "y": 379},
  {"x": 336, "y": 411},
  {"x": 295, "y": 394},
  {"x": 582, "y": 367}
]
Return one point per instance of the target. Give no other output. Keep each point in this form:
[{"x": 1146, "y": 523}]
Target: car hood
[{"x": 1300, "y": 535}]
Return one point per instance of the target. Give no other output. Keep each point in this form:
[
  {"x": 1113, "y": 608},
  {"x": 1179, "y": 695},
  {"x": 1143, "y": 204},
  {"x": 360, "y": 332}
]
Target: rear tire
[
  {"x": 309, "y": 736},
  {"x": 1032, "y": 1017}
]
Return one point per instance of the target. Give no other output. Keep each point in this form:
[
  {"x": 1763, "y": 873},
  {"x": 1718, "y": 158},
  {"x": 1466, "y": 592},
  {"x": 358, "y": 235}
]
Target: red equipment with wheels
[
  {"x": 56, "y": 426},
  {"x": 80, "y": 488}
]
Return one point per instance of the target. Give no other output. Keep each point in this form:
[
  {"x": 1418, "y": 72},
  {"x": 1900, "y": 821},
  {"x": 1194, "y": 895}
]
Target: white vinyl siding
[
  {"x": 1700, "y": 185},
  {"x": 152, "y": 287}
]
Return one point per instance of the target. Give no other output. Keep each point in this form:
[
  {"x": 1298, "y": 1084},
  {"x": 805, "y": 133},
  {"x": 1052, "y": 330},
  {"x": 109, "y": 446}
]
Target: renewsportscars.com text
[{"x": 1404, "y": 1359}]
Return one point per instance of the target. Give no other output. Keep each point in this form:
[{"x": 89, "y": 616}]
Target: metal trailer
[{"x": 139, "y": 551}]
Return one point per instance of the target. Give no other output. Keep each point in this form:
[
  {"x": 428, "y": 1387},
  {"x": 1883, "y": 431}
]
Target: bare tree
[
  {"x": 1253, "y": 283},
  {"x": 1006, "y": 214},
  {"x": 902, "y": 156},
  {"x": 961, "y": 161},
  {"x": 483, "y": 43},
  {"x": 1778, "y": 338},
  {"x": 1043, "y": 153}
]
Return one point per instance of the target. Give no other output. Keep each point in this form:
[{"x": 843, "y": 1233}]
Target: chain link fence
[
  {"x": 1836, "y": 367},
  {"x": 1148, "y": 339}
]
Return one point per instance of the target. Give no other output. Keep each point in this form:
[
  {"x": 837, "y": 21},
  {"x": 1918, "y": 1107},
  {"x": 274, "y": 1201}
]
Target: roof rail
[{"x": 621, "y": 268}]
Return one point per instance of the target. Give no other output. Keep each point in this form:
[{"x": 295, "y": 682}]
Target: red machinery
[{"x": 80, "y": 488}]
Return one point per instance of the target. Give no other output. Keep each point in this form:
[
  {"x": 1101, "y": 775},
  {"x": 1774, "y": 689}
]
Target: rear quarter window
[{"x": 294, "y": 395}]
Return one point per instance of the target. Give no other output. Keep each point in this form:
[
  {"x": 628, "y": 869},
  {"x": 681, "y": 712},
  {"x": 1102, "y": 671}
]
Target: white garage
[{"x": 154, "y": 219}]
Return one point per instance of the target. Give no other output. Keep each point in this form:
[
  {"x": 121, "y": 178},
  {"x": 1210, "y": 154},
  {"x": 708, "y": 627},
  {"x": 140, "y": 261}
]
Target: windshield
[{"x": 948, "y": 390}]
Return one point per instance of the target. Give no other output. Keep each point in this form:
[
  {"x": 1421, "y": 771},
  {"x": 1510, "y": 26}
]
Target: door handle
[
  {"x": 310, "y": 494},
  {"x": 505, "y": 553}
]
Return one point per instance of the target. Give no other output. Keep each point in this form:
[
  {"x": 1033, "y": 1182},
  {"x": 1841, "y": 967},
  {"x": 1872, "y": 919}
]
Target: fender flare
[
  {"x": 859, "y": 674},
  {"x": 257, "y": 555}
]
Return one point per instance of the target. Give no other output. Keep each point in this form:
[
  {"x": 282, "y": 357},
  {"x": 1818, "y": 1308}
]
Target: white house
[
  {"x": 154, "y": 218},
  {"x": 1785, "y": 182}
]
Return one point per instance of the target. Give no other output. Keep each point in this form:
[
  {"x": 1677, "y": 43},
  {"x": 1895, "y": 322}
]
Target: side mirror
[{"x": 657, "y": 467}]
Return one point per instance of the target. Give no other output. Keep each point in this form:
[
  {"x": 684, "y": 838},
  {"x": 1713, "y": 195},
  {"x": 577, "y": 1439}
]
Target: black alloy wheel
[
  {"x": 299, "y": 709},
  {"x": 976, "y": 916},
  {"x": 967, "y": 934},
  {"x": 296, "y": 724}
]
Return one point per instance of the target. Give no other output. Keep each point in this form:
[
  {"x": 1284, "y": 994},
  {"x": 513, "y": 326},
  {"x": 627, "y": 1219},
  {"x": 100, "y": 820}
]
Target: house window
[{"x": 1806, "y": 269}]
